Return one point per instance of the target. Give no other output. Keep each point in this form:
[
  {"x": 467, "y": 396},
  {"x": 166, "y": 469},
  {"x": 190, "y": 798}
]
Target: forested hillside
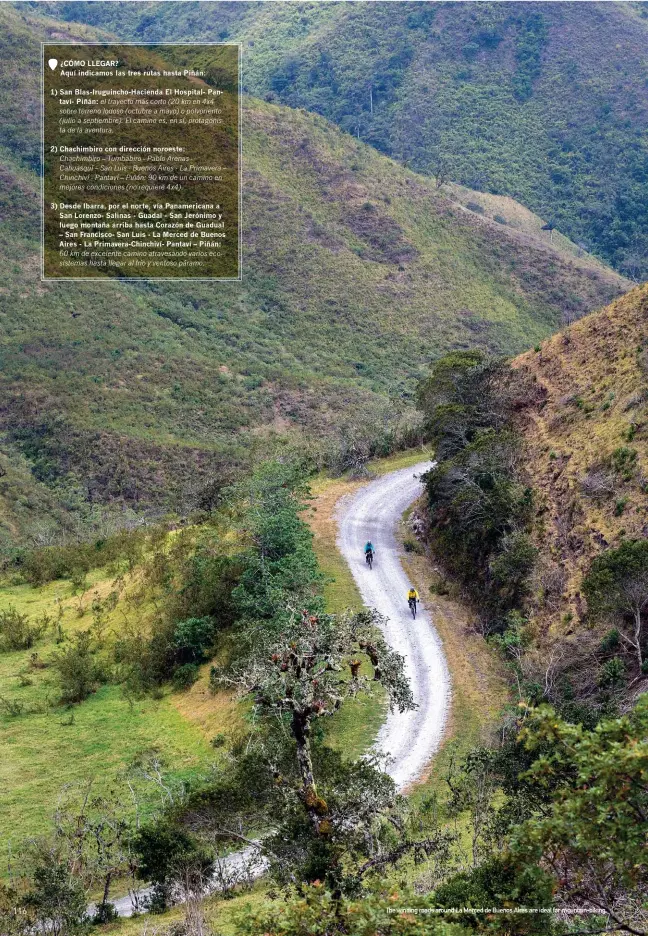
[
  {"x": 539, "y": 504},
  {"x": 536, "y": 514},
  {"x": 547, "y": 103},
  {"x": 357, "y": 273}
]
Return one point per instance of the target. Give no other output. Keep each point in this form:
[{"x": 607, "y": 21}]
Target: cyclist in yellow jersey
[{"x": 412, "y": 595}]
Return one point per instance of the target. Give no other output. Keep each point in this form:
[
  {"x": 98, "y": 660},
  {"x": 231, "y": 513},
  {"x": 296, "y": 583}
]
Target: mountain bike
[
  {"x": 412, "y": 605},
  {"x": 369, "y": 558}
]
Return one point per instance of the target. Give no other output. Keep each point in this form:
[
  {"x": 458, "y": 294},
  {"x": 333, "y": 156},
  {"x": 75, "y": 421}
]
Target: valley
[
  {"x": 358, "y": 272},
  {"x": 438, "y": 345}
]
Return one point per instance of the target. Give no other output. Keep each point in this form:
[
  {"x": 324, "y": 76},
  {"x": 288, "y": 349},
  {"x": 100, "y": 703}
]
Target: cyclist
[
  {"x": 412, "y": 599},
  {"x": 369, "y": 552}
]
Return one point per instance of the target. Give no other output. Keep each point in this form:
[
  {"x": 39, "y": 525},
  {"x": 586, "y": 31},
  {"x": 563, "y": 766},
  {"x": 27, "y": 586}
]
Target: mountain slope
[
  {"x": 356, "y": 272},
  {"x": 546, "y": 103},
  {"x": 587, "y": 446}
]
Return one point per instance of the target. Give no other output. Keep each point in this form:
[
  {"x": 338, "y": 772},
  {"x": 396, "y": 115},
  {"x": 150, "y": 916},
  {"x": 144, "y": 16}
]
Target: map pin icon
[{"x": 53, "y": 63}]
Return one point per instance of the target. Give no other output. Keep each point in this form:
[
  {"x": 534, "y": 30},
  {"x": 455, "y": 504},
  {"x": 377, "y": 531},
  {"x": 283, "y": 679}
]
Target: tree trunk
[
  {"x": 301, "y": 732},
  {"x": 104, "y": 899},
  {"x": 637, "y": 636}
]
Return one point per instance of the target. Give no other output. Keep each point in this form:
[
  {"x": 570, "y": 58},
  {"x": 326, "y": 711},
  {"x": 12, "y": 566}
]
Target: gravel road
[{"x": 373, "y": 513}]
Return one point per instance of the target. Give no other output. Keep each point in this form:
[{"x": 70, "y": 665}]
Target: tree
[
  {"x": 16, "y": 632},
  {"x": 56, "y": 898},
  {"x": 193, "y": 638},
  {"x": 466, "y": 393},
  {"x": 332, "y": 819},
  {"x": 616, "y": 588},
  {"x": 279, "y": 565},
  {"x": 172, "y": 859},
  {"x": 15, "y": 918},
  {"x": 593, "y": 838},
  {"x": 305, "y": 674},
  {"x": 93, "y": 836}
]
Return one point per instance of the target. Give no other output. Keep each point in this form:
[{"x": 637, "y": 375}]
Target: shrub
[
  {"x": 185, "y": 676},
  {"x": 57, "y": 899},
  {"x": 620, "y": 506},
  {"x": 193, "y": 638},
  {"x": 612, "y": 673},
  {"x": 623, "y": 460},
  {"x": 411, "y": 545},
  {"x": 170, "y": 857},
  {"x": 78, "y": 672},
  {"x": 16, "y": 633},
  {"x": 105, "y": 913},
  {"x": 511, "y": 567}
]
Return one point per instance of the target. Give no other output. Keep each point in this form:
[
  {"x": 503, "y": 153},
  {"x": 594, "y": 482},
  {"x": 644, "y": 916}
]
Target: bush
[
  {"x": 169, "y": 856},
  {"x": 57, "y": 899},
  {"x": 105, "y": 913},
  {"x": 612, "y": 673},
  {"x": 411, "y": 545},
  {"x": 511, "y": 567},
  {"x": 16, "y": 633},
  {"x": 185, "y": 676},
  {"x": 611, "y": 640},
  {"x": 499, "y": 882},
  {"x": 193, "y": 638},
  {"x": 78, "y": 672}
]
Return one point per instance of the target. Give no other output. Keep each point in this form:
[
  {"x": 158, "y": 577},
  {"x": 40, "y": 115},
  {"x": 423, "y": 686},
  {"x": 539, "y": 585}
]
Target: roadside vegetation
[
  {"x": 185, "y": 675},
  {"x": 494, "y": 530}
]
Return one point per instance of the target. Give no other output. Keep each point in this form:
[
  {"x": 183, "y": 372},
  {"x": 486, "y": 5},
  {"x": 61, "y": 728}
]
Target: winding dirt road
[
  {"x": 410, "y": 739},
  {"x": 374, "y": 513}
]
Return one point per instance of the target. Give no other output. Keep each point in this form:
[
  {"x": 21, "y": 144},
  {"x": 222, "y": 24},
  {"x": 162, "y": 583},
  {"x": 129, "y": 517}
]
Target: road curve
[
  {"x": 411, "y": 738},
  {"x": 373, "y": 513}
]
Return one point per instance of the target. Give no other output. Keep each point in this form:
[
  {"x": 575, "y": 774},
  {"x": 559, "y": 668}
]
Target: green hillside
[
  {"x": 356, "y": 273},
  {"x": 548, "y": 104}
]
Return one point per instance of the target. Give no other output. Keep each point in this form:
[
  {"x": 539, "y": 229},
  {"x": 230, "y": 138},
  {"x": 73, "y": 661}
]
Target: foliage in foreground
[{"x": 593, "y": 837}]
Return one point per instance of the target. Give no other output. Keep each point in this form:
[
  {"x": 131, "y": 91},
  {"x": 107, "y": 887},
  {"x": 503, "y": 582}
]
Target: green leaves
[
  {"x": 594, "y": 836},
  {"x": 280, "y": 567},
  {"x": 479, "y": 506}
]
